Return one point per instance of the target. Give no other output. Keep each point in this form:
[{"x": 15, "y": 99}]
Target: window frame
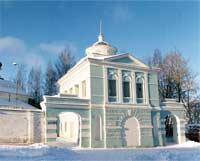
[
  {"x": 140, "y": 100},
  {"x": 83, "y": 92},
  {"x": 112, "y": 99},
  {"x": 126, "y": 79}
]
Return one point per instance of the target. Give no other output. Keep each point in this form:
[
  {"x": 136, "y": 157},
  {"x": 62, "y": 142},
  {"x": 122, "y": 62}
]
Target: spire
[
  {"x": 100, "y": 37},
  {"x": 100, "y": 27}
]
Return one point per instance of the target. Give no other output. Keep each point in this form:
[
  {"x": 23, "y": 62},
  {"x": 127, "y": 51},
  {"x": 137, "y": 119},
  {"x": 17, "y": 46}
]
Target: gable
[
  {"x": 126, "y": 59},
  {"x": 123, "y": 60}
]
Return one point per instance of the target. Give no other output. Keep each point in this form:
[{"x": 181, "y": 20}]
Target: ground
[{"x": 188, "y": 151}]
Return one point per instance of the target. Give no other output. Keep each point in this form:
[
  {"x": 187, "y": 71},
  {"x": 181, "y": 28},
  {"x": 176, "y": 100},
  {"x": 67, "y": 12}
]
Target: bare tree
[
  {"x": 35, "y": 85},
  {"x": 176, "y": 80},
  {"x": 64, "y": 62},
  {"x": 190, "y": 98},
  {"x": 21, "y": 77},
  {"x": 156, "y": 61},
  {"x": 50, "y": 80}
]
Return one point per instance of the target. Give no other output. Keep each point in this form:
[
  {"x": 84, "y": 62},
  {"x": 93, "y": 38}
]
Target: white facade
[{"x": 116, "y": 98}]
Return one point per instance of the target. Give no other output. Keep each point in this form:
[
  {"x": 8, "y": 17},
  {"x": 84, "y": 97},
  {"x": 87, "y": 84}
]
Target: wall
[
  {"x": 115, "y": 118},
  {"x": 97, "y": 86},
  {"x": 153, "y": 90},
  {"x": 171, "y": 107},
  {"x": 21, "y": 126},
  {"x": 75, "y": 77},
  {"x": 97, "y": 112},
  {"x": 57, "y": 104}
]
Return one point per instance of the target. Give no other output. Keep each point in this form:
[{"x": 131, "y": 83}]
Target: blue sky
[{"x": 34, "y": 32}]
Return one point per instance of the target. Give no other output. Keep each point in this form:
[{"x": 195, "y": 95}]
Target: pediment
[{"x": 126, "y": 59}]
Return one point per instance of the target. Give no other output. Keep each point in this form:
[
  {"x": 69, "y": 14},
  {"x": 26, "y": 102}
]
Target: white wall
[
  {"x": 75, "y": 77},
  {"x": 21, "y": 127}
]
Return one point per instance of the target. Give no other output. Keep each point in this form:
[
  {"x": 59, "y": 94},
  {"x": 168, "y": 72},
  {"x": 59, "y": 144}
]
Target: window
[
  {"x": 112, "y": 92},
  {"x": 112, "y": 88},
  {"x": 139, "y": 90},
  {"x": 126, "y": 91},
  {"x": 112, "y": 84},
  {"x": 77, "y": 90},
  {"x": 126, "y": 86},
  {"x": 71, "y": 91},
  {"x": 84, "y": 88}
]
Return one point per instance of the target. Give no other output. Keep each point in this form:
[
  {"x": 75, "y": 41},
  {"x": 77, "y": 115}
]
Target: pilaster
[
  {"x": 120, "y": 90},
  {"x": 146, "y": 88},
  {"x": 133, "y": 88}
]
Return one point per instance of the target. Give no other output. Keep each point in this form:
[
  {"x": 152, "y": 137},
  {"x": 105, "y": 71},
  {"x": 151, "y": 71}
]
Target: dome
[{"x": 100, "y": 48}]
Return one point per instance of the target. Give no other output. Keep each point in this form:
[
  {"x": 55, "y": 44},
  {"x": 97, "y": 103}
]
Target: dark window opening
[
  {"x": 112, "y": 88},
  {"x": 168, "y": 127},
  {"x": 126, "y": 89},
  {"x": 139, "y": 90}
]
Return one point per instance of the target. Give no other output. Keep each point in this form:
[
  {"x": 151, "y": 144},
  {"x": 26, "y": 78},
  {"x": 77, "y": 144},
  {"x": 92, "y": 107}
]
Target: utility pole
[{"x": 16, "y": 65}]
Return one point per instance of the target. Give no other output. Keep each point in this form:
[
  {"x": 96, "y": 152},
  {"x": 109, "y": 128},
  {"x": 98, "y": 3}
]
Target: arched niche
[{"x": 132, "y": 132}]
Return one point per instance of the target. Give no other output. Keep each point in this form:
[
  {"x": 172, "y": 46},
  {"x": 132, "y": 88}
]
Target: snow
[
  {"x": 188, "y": 144},
  {"x": 188, "y": 151},
  {"x": 12, "y": 103}
]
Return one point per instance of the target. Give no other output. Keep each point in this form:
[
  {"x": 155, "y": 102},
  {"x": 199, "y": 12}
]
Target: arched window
[
  {"x": 140, "y": 90},
  {"x": 112, "y": 88},
  {"x": 126, "y": 89}
]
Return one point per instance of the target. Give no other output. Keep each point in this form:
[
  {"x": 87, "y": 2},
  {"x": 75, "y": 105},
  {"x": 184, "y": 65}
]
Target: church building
[{"x": 111, "y": 100}]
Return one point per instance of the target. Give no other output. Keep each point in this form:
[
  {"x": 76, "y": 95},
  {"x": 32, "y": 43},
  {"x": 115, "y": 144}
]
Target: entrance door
[{"x": 132, "y": 132}]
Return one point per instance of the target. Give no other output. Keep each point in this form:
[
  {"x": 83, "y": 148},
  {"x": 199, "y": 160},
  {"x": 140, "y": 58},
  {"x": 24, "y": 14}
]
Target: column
[
  {"x": 119, "y": 87},
  {"x": 105, "y": 77},
  {"x": 146, "y": 88},
  {"x": 133, "y": 88}
]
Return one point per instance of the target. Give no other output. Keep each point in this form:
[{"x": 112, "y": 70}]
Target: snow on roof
[
  {"x": 17, "y": 105},
  {"x": 105, "y": 57}
]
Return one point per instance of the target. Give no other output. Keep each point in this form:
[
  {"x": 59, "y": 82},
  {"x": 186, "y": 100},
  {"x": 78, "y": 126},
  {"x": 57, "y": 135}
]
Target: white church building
[{"x": 111, "y": 99}]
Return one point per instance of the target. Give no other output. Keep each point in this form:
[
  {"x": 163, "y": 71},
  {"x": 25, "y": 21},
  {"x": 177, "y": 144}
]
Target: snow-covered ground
[{"x": 189, "y": 151}]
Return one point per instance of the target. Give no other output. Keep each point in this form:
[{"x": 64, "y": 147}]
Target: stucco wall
[
  {"x": 21, "y": 126},
  {"x": 75, "y": 77},
  {"x": 97, "y": 86},
  {"x": 52, "y": 124},
  {"x": 153, "y": 90},
  {"x": 97, "y": 112},
  {"x": 55, "y": 105},
  {"x": 115, "y": 131},
  {"x": 169, "y": 108}
]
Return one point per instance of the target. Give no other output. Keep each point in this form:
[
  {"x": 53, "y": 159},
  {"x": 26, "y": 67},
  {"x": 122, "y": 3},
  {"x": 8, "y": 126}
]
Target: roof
[{"x": 13, "y": 105}]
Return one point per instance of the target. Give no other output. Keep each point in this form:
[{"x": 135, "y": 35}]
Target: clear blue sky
[{"x": 34, "y": 32}]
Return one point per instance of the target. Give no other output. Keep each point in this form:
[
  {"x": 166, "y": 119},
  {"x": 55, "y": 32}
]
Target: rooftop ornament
[{"x": 100, "y": 48}]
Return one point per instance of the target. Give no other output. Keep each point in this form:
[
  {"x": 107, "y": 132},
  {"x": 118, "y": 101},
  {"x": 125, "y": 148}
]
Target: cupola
[{"x": 100, "y": 48}]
